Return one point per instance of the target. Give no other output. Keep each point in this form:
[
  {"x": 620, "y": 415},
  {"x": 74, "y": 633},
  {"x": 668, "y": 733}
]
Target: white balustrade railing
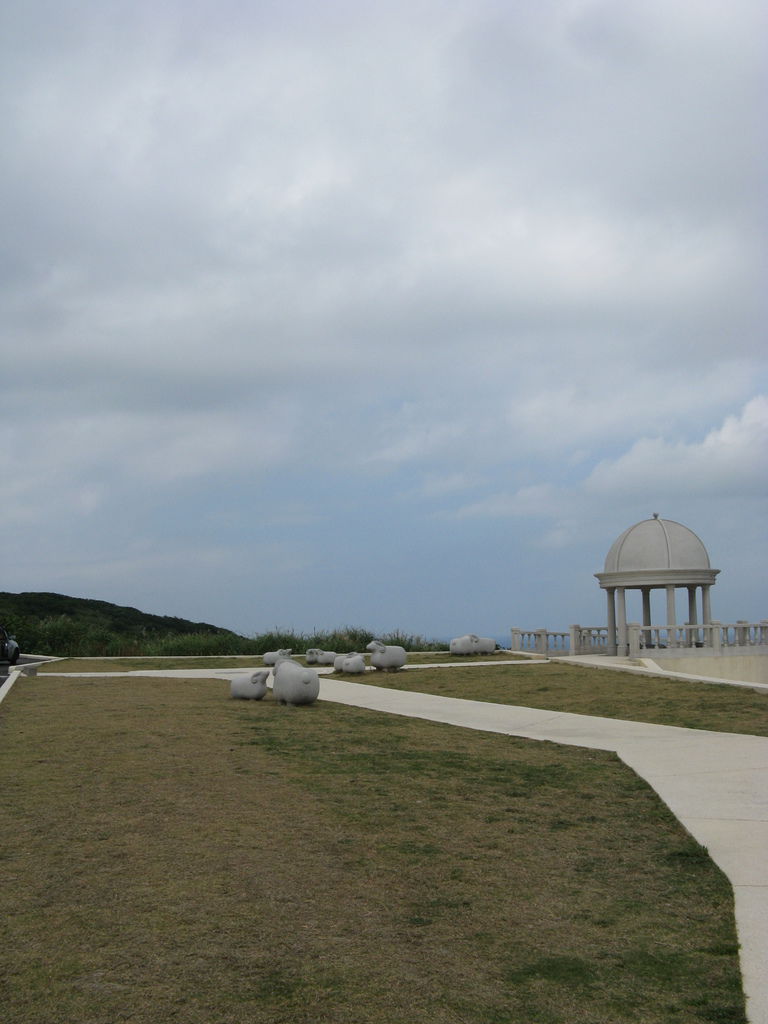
[
  {"x": 528, "y": 641},
  {"x": 576, "y": 640},
  {"x": 540, "y": 641},
  {"x": 589, "y": 639},
  {"x": 669, "y": 638},
  {"x": 713, "y": 637}
]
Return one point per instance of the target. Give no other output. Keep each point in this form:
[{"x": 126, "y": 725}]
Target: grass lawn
[
  {"x": 171, "y": 854},
  {"x": 552, "y": 685},
  {"x": 224, "y": 661},
  {"x": 148, "y": 662},
  {"x": 590, "y": 691}
]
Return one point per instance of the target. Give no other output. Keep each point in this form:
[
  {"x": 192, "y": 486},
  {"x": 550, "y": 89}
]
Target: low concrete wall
[{"x": 747, "y": 668}]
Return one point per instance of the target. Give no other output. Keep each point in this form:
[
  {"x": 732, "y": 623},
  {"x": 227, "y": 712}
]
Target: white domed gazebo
[{"x": 655, "y": 554}]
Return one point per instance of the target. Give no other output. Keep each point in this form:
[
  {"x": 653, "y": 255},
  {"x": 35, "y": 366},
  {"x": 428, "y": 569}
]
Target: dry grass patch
[
  {"x": 243, "y": 661},
  {"x": 555, "y": 686},
  {"x": 440, "y": 657},
  {"x": 137, "y": 664},
  {"x": 170, "y": 854}
]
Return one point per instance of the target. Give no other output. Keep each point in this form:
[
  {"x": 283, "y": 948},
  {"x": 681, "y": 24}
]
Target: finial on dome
[{"x": 655, "y": 515}]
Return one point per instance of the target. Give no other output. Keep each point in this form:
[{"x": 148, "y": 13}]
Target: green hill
[
  {"x": 62, "y": 626},
  {"x": 56, "y": 624},
  {"x": 97, "y": 614}
]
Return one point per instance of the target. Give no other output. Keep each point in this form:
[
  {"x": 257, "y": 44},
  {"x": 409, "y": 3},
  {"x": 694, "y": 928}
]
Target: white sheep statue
[
  {"x": 461, "y": 644},
  {"x": 311, "y": 655},
  {"x": 249, "y": 686},
  {"x": 472, "y": 644},
  {"x": 350, "y": 664},
  {"x": 272, "y": 657},
  {"x": 294, "y": 683},
  {"x": 326, "y": 657},
  {"x": 483, "y": 644},
  {"x": 386, "y": 658}
]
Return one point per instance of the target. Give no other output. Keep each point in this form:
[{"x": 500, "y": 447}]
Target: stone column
[
  {"x": 716, "y": 635},
  {"x": 611, "y": 641},
  {"x": 706, "y": 611},
  {"x": 646, "y": 592},
  {"x": 671, "y": 619},
  {"x": 692, "y": 606},
  {"x": 634, "y": 632},
  {"x": 692, "y": 619},
  {"x": 541, "y": 641},
  {"x": 621, "y": 625},
  {"x": 671, "y": 616}
]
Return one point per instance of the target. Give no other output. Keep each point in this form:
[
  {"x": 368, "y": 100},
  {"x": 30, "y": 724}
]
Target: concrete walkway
[{"x": 715, "y": 783}]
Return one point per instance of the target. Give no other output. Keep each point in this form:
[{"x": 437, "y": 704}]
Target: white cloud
[
  {"x": 726, "y": 469},
  {"x": 539, "y": 500},
  {"x": 730, "y": 461}
]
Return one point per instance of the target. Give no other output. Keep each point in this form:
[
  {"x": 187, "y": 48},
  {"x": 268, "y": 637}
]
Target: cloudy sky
[{"x": 380, "y": 314}]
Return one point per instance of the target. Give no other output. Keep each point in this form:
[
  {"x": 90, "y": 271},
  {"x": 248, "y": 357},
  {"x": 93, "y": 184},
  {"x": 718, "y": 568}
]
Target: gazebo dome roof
[{"x": 656, "y": 544}]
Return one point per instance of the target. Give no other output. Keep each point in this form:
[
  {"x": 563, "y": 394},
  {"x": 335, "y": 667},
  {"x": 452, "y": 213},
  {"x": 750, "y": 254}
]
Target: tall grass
[{"x": 67, "y": 637}]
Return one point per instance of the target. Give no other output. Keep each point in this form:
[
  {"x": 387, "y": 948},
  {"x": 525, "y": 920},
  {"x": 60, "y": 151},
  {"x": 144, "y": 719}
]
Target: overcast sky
[{"x": 381, "y": 314}]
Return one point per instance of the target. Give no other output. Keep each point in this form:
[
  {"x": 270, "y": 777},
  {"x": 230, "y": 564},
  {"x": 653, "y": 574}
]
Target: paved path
[{"x": 715, "y": 783}]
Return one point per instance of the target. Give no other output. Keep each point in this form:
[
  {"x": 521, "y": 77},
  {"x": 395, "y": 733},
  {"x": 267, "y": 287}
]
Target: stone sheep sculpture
[
  {"x": 326, "y": 657},
  {"x": 311, "y": 655},
  {"x": 294, "y": 683},
  {"x": 271, "y": 657},
  {"x": 386, "y": 658},
  {"x": 249, "y": 686},
  {"x": 472, "y": 644},
  {"x": 350, "y": 664},
  {"x": 483, "y": 644}
]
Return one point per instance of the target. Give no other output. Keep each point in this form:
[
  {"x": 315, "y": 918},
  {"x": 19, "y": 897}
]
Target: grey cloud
[{"x": 453, "y": 243}]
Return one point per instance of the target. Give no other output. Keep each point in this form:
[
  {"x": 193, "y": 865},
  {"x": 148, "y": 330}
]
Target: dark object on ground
[{"x": 9, "y": 649}]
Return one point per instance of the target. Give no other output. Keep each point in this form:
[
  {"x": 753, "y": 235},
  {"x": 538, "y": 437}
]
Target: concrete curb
[
  {"x": 7, "y": 686},
  {"x": 653, "y": 668}
]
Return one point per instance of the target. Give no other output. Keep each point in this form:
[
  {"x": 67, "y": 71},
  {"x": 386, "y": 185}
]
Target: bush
[
  {"x": 342, "y": 640},
  {"x": 66, "y": 636}
]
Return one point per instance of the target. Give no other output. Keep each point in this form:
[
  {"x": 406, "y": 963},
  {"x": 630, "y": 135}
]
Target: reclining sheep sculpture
[
  {"x": 294, "y": 683},
  {"x": 311, "y": 656},
  {"x": 484, "y": 644},
  {"x": 472, "y": 644},
  {"x": 386, "y": 658},
  {"x": 326, "y": 657},
  {"x": 271, "y": 657},
  {"x": 350, "y": 664},
  {"x": 249, "y": 686}
]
